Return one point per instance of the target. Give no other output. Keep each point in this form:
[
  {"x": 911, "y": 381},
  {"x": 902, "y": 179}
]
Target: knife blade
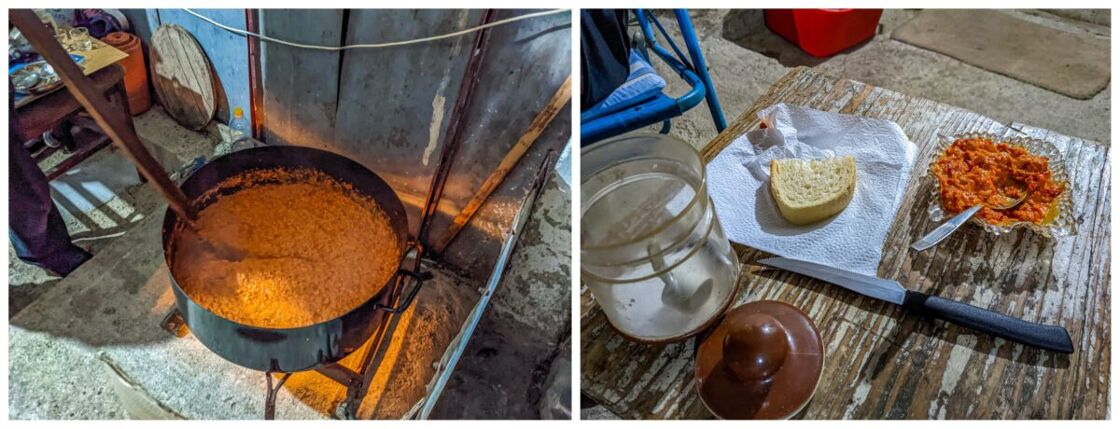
[
  {"x": 1048, "y": 337},
  {"x": 881, "y": 289}
]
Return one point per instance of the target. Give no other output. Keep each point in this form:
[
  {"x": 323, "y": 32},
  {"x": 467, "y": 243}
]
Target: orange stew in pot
[{"x": 980, "y": 171}]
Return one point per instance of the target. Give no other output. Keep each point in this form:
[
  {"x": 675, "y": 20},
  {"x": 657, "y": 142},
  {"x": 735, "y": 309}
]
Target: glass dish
[{"x": 1062, "y": 225}]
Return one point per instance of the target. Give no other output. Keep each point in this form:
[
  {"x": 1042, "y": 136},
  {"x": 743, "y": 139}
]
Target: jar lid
[{"x": 763, "y": 361}]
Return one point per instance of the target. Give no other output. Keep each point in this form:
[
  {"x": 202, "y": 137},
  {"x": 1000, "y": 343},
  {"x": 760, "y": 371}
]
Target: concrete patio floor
[
  {"x": 522, "y": 331},
  {"x": 745, "y": 58}
]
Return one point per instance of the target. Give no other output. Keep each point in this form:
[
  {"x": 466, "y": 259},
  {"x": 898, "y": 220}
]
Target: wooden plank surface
[
  {"x": 181, "y": 75},
  {"x": 100, "y": 56},
  {"x": 879, "y": 362},
  {"x": 97, "y": 58}
]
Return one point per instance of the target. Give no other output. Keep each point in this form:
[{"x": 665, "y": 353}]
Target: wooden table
[
  {"x": 55, "y": 109},
  {"x": 100, "y": 56},
  {"x": 879, "y": 362}
]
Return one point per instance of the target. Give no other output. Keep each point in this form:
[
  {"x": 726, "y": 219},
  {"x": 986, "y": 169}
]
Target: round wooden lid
[
  {"x": 182, "y": 77},
  {"x": 763, "y": 361}
]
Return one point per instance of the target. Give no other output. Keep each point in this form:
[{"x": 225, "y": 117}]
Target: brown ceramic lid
[{"x": 763, "y": 361}]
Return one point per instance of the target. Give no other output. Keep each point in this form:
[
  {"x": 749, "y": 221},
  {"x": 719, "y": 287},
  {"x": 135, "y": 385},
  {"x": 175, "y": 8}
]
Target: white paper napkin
[{"x": 739, "y": 184}]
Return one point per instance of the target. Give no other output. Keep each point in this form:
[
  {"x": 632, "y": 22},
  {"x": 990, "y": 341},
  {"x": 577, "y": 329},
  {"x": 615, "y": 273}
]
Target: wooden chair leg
[{"x": 121, "y": 97}]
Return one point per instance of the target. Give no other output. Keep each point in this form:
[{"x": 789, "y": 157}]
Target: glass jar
[{"x": 652, "y": 250}]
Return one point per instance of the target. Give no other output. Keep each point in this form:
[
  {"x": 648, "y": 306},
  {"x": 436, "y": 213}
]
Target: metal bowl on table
[
  {"x": 38, "y": 77},
  {"x": 24, "y": 79}
]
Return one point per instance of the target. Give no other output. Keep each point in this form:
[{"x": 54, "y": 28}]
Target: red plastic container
[
  {"x": 823, "y": 32},
  {"x": 135, "y": 73}
]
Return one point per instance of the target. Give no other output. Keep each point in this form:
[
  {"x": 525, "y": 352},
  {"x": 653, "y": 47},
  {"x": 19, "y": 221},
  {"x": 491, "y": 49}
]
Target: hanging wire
[{"x": 376, "y": 45}]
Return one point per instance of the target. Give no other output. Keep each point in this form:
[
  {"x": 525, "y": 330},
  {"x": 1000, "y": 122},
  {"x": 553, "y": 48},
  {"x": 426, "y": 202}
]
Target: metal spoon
[{"x": 947, "y": 228}]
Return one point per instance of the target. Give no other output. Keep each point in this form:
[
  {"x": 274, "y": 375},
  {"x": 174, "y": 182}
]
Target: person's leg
[{"x": 35, "y": 227}]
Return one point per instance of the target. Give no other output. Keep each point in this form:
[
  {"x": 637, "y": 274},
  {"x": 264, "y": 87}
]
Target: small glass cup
[{"x": 79, "y": 38}]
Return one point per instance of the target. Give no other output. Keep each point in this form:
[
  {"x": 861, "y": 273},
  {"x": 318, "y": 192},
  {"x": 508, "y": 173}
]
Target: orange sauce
[{"x": 980, "y": 171}]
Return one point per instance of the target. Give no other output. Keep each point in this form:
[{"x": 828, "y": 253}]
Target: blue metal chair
[{"x": 598, "y": 123}]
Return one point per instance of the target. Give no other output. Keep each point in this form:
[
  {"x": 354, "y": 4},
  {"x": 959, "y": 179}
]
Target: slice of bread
[{"x": 811, "y": 191}]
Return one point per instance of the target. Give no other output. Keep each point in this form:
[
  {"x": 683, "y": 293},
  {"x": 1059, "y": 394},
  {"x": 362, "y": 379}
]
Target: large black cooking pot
[{"x": 295, "y": 349}]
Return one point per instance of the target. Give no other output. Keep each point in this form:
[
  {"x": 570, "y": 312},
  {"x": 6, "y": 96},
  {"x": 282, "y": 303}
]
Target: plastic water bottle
[
  {"x": 239, "y": 126},
  {"x": 238, "y": 137}
]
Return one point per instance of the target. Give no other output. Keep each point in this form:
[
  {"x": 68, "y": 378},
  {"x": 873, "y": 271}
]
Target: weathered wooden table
[
  {"x": 55, "y": 109},
  {"x": 101, "y": 55},
  {"x": 879, "y": 362}
]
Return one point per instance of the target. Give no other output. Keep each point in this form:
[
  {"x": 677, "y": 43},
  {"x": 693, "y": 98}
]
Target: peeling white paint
[
  {"x": 669, "y": 383},
  {"x": 438, "y": 103},
  {"x": 859, "y": 396},
  {"x": 647, "y": 376},
  {"x": 437, "y": 121},
  {"x": 954, "y": 368}
]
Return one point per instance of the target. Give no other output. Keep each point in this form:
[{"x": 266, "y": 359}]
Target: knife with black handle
[{"x": 1048, "y": 337}]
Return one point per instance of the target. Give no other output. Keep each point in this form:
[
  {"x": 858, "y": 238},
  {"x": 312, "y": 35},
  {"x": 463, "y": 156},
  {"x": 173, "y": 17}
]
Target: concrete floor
[
  {"x": 523, "y": 331},
  {"x": 528, "y": 322},
  {"x": 120, "y": 202},
  {"x": 745, "y": 58}
]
